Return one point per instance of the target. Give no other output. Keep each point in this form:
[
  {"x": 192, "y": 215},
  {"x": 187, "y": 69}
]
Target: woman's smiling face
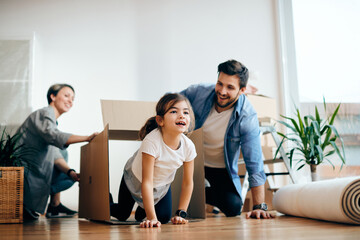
[{"x": 63, "y": 101}]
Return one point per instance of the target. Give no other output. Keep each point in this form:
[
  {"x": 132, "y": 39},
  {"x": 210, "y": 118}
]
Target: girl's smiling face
[{"x": 176, "y": 119}]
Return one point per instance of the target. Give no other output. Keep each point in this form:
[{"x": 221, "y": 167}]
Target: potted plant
[
  {"x": 312, "y": 140},
  {"x": 11, "y": 179}
]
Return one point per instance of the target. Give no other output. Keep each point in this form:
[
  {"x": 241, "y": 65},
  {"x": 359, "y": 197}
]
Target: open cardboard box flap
[{"x": 125, "y": 118}]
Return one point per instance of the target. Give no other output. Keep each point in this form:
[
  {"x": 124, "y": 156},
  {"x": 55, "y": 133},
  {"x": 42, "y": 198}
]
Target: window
[
  {"x": 327, "y": 37},
  {"x": 15, "y": 72},
  {"x": 323, "y": 37}
]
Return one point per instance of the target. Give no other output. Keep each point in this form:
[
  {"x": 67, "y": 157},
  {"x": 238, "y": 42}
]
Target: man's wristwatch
[
  {"x": 261, "y": 206},
  {"x": 181, "y": 213}
]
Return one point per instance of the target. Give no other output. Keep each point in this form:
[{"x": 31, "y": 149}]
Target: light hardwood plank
[{"x": 214, "y": 227}]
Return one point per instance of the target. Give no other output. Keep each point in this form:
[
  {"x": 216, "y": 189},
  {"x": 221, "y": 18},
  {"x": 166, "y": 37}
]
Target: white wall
[{"x": 138, "y": 50}]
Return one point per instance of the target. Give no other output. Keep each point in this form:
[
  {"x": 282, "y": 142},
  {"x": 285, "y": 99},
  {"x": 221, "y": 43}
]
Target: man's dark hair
[{"x": 233, "y": 67}]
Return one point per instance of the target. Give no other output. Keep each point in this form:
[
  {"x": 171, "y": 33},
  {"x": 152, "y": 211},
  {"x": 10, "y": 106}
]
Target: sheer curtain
[{"x": 15, "y": 82}]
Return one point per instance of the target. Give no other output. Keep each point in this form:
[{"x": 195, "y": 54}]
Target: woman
[{"x": 39, "y": 135}]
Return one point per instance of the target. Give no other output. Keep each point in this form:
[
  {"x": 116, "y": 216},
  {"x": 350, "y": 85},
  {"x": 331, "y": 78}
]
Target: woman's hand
[
  {"x": 77, "y": 138},
  {"x": 74, "y": 176},
  {"x": 150, "y": 223},
  {"x": 179, "y": 220},
  {"x": 91, "y": 137}
]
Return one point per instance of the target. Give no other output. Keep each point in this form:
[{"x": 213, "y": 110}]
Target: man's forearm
[{"x": 258, "y": 194}]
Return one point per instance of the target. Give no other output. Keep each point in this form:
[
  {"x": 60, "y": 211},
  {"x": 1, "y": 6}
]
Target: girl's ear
[{"x": 159, "y": 121}]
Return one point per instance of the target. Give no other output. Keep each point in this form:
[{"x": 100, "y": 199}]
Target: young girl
[{"x": 149, "y": 173}]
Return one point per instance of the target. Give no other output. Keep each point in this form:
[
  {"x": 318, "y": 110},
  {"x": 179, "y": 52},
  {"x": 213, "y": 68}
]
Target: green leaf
[
  {"x": 330, "y": 163},
  {"x": 320, "y": 154},
  {"x": 291, "y": 156},
  {"x": 317, "y": 115},
  {"x": 329, "y": 153},
  {"x": 287, "y": 125},
  {"x": 338, "y": 152},
  {"x": 334, "y": 115},
  {"x": 324, "y": 103},
  {"x": 278, "y": 149},
  {"x": 294, "y": 128},
  {"x": 300, "y": 167},
  {"x": 327, "y": 129},
  {"x": 301, "y": 124}
]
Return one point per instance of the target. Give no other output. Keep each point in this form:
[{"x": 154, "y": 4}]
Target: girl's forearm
[
  {"x": 187, "y": 185},
  {"x": 185, "y": 195},
  {"x": 148, "y": 200}
]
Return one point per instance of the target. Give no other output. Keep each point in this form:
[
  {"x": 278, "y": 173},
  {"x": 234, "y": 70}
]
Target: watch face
[
  {"x": 181, "y": 213},
  {"x": 264, "y": 207},
  {"x": 261, "y": 206}
]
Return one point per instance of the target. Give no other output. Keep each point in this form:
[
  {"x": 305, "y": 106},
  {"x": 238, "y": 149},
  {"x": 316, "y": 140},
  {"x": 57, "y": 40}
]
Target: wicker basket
[{"x": 11, "y": 194}]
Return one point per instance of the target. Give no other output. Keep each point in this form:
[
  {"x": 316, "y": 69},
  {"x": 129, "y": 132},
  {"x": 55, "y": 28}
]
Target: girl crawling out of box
[{"x": 149, "y": 173}]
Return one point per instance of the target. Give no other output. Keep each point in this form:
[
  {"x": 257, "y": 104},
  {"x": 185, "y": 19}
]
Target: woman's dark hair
[
  {"x": 162, "y": 107},
  {"x": 233, "y": 67},
  {"x": 54, "y": 89}
]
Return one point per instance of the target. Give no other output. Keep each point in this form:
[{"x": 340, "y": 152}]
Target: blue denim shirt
[{"x": 242, "y": 133}]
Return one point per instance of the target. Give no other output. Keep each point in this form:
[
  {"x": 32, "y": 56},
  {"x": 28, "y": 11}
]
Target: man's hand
[
  {"x": 179, "y": 220},
  {"x": 258, "y": 213}
]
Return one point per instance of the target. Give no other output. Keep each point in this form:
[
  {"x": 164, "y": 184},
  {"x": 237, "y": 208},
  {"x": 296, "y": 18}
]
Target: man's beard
[{"x": 227, "y": 104}]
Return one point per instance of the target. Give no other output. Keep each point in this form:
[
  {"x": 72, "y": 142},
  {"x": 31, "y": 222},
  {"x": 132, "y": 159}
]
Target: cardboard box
[
  {"x": 125, "y": 118},
  {"x": 122, "y": 121},
  {"x": 264, "y": 106}
]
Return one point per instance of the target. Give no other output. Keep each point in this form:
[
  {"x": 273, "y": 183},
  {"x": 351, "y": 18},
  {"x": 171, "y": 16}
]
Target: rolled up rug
[{"x": 336, "y": 200}]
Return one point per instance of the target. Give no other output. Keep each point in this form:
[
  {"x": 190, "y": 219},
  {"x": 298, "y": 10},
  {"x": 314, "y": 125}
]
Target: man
[{"x": 230, "y": 124}]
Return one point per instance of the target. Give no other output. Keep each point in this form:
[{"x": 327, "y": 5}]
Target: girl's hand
[
  {"x": 179, "y": 220},
  {"x": 150, "y": 223}
]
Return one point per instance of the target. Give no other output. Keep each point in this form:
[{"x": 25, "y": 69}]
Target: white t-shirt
[
  {"x": 167, "y": 160},
  {"x": 214, "y": 130}
]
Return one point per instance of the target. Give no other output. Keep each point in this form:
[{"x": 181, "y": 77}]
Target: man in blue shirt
[{"x": 230, "y": 124}]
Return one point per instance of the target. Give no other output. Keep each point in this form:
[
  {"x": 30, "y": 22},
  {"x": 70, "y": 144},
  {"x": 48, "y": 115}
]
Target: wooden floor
[{"x": 214, "y": 227}]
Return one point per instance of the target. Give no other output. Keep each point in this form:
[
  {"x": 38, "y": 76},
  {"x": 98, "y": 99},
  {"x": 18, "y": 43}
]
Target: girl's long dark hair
[{"x": 162, "y": 107}]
